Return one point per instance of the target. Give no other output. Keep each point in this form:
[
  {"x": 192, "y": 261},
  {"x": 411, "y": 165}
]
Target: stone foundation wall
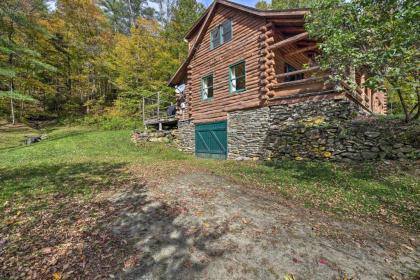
[
  {"x": 185, "y": 136},
  {"x": 337, "y": 130},
  {"x": 329, "y": 129},
  {"x": 164, "y": 136},
  {"x": 246, "y": 133}
]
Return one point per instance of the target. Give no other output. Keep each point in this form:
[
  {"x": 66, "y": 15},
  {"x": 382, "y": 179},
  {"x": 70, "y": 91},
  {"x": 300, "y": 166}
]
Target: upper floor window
[
  {"x": 207, "y": 87},
  {"x": 221, "y": 34},
  {"x": 237, "y": 81},
  {"x": 289, "y": 68}
]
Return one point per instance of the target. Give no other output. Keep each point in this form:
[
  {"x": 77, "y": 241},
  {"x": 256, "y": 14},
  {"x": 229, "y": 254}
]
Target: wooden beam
[
  {"x": 298, "y": 82},
  {"x": 204, "y": 120},
  {"x": 296, "y": 21},
  {"x": 243, "y": 105},
  {"x": 290, "y": 40},
  {"x": 304, "y": 94},
  {"x": 311, "y": 69},
  {"x": 291, "y": 29},
  {"x": 301, "y": 50}
]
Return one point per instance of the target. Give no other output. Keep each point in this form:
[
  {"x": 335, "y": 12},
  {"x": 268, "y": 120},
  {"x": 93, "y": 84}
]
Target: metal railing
[{"x": 154, "y": 110}]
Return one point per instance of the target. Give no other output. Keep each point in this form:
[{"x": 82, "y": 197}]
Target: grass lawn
[
  {"x": 10, "y": 136},
  {"x": 81, "y": 161}
]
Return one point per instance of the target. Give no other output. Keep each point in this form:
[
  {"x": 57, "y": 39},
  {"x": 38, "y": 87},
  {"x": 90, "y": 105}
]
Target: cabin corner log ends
[{"x": 267, "y": 62}]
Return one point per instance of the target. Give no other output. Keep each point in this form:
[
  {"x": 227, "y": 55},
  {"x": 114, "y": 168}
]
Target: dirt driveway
[{"x": 213, "y": 229}]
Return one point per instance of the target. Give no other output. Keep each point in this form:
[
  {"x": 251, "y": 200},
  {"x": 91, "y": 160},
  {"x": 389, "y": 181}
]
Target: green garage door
[{"x": 211, "y": 140}]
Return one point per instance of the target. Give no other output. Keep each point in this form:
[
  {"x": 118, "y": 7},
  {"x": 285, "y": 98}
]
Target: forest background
[{"x": 93, "y": 61}]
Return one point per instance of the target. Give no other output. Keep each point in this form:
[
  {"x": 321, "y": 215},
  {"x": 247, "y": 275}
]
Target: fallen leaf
[
  {"x": 289, "y": 277},
  {"x": 46, "y": 250},
  {"x": 57, "y": 276},
  {"x": 323, "y": 261},
  {"x": 408, "y": 247}
]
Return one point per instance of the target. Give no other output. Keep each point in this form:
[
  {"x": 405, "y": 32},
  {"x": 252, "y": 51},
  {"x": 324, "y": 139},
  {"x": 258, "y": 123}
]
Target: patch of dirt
[
  {"x": 196, "y": 226},
  {"x": 266, "y": 237}
]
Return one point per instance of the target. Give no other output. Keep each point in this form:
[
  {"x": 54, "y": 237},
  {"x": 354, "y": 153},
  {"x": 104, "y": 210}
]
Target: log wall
[
  {"x": 243, "y": 46},
  {"x": 252, "y": 41}
]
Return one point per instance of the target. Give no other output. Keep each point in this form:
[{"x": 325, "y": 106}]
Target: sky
[{"x": 251, "y": 3}]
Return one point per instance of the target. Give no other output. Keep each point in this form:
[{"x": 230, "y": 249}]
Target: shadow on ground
[
  {"x": 164, "y": 246},
  {"x": 118, "y": 231},
  {"x": 85, "y": 177}
]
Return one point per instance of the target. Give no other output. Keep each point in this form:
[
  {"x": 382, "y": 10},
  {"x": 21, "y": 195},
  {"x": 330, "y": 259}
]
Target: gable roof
[{"x": 202, "y": 23}]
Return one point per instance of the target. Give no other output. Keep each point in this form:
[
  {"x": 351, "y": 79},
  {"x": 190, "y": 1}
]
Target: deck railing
[
  {"x": 314, "y": 82},
  {"x": 154, "y": 110},
  {"x": 317, "y": 82}
]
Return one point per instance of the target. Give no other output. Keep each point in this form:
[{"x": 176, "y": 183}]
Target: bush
[{"x": 104, "y": 122}]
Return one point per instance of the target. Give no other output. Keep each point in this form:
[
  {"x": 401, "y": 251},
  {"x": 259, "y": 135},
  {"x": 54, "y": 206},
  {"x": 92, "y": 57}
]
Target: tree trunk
[
  {"x": 69, "y": 81},
  {"x": 406, "y": 113},
  {"x": 21, "y": 111},
  {"x": 417, "y": 115},
  {"x": 12, "y": 107},
  {"x": 131, "y": 17}
]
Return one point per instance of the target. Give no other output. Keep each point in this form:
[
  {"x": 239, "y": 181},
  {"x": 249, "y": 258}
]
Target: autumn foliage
[{"x": 83, "y": 57}]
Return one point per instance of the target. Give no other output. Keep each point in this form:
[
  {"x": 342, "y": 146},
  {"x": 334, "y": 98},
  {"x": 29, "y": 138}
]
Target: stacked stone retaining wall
[
  {"x": 338, "y": 130},
  {"x": 185, "y": 136},
  {"x": 247, "y": 131},
  {"x": 331, "y": 129}
]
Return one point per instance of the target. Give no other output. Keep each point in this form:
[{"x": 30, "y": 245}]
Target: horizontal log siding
[
  {"x": 249, "y": 43},
  {"x": 243, "y": 46}
]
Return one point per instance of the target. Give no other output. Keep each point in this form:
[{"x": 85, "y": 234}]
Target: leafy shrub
[
  {"x": 111, "y": 122},
  {"x": 104, "y": 122}
]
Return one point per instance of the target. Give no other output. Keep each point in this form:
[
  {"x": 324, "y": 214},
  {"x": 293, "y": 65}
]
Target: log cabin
[{"x": 242, "y": 63}]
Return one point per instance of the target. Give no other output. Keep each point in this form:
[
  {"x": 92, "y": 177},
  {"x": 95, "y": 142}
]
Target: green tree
[
  {"x": 263, "y": 5},
  {"x": 284, "y": 4},
  {"x": 123, "y": 14},
  {"x": 378, "y": 38},
  {"x": 291, "y": 4},
  {"x": 21, "y": 65},
  {"x": 82, "y": 37},
  {"x": 184, "y": 14}
]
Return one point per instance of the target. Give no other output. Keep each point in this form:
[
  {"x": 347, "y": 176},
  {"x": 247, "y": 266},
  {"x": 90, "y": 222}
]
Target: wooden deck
[
  {"x": 154, "y": 112},
  {"x": 168, "y": 120}
]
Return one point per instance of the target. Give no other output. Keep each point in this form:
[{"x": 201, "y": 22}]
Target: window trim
[
  {"x": 220, "y": 26},
  {"x": 231, "y": 91},
  {"x": 202, "y": 87}
]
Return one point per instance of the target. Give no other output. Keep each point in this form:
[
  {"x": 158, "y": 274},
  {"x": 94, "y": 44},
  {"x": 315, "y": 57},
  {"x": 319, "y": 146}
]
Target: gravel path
[{"x": 202, "y": 226}]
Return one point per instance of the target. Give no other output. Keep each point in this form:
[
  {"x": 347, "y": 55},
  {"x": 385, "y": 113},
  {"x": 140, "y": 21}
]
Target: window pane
[
  {"x": 289, "y": 68},
  {"x": 240, "y": 83},
  {"x": 210, "y": 92},
  {"x": 239, "y": 70},
  {"x": 207, "y": 87},
  {"x": 233, "y": 84},
  {"x": 204, "y": 93},
  {"x": 209, "y": 81},
  {"x": 215, "y": 38},
  {"x": 227, "y": 31}
]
